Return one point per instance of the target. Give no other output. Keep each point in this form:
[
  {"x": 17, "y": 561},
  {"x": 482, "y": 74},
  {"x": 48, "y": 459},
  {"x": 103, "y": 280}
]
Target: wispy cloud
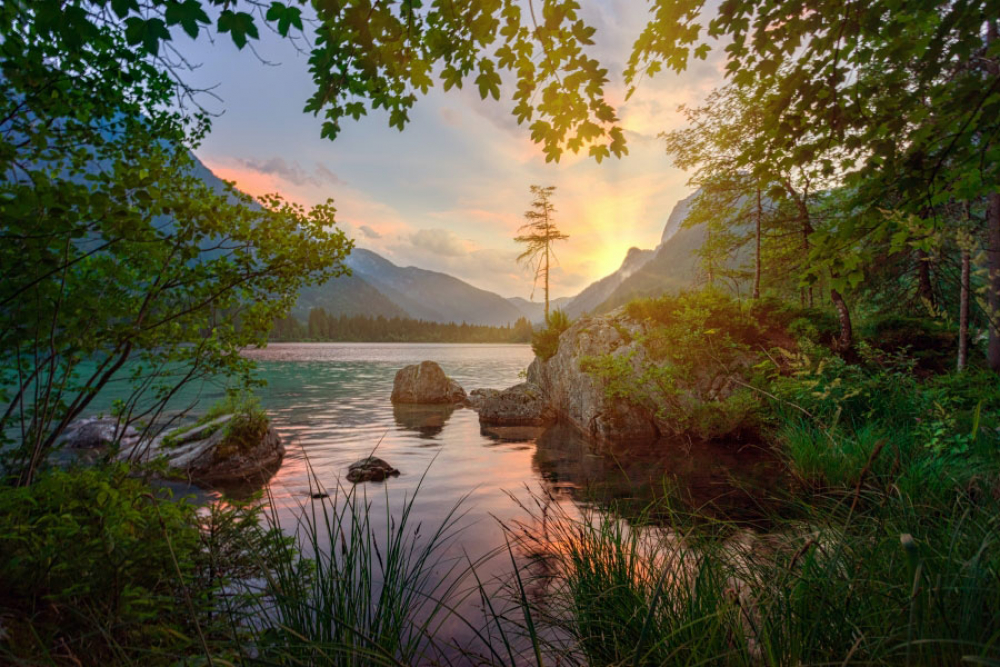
[{"x": 369, "y": 232}]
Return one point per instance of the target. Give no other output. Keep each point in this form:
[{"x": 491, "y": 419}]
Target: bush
[
  {"x": 545, "y": 342},
  {"x": 92, "y": 553},
  {"x": 935, "y": 434},
  {"x": 99, "y": 565},
  {"x": 247, "y": 427},
  {"x": 928, "y": 342}
]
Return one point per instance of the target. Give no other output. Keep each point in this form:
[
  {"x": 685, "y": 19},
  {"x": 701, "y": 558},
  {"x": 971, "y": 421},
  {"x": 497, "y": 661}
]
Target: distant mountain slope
[
  {"x": 678, "y": 215},
  {"x": 597, "y": 293},
  {"x": 346, "y": 295},
  {"x": 673, "y": 268},
  {"x": 670, "y": 267},
  {"x": 420, "y": 294},
  {"x": 535, "y": 310}
]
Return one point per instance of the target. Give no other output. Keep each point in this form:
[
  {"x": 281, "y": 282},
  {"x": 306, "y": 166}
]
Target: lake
[{"x": 330, "y": 404}]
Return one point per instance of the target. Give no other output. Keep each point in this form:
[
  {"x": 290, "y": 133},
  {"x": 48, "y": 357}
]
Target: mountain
[
  {"x": 597, "y": 293},
  {"x": 670, "y": 267},
  {"x": 673, "y": 267},
  {"x": 346, "y": 295},
  {"x": 535, "y": 310},
  {"x": 379, "y": 287}
]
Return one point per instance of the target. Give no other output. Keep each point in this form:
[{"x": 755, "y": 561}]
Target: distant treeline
[{"x": 366, "y": 329}]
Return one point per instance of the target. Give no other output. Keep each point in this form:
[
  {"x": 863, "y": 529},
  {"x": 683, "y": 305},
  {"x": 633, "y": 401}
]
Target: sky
[{"x": 449, "y": 192}]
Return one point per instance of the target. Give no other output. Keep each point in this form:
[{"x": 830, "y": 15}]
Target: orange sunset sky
[{"x": 448, "y": 193}]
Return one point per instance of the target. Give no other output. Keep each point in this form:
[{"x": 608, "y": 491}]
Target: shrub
[
  {"x": 545, "y": 342},
  {"x": 107, "y": 570},
  {"x": 928, "y": 342},
  {"x": 94, "y": 559},
  {"x": 248, "y": 425}
]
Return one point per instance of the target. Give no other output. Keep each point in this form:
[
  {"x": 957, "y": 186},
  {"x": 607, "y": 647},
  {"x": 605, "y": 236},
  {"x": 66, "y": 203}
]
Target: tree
[
  {"x": 120, "y": 265},
  {"x": 538, "y": 234},
  {"x": 902, "y": 100}
]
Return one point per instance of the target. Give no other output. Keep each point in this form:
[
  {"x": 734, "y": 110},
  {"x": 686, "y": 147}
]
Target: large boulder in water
[
  {"x": 95, "y": 432},
  {"x": 425, "y": 383},
  {"x": 521, "y": 405},
  {"x": 582, "y": 399},
  {"x": 227, "y": 448}
]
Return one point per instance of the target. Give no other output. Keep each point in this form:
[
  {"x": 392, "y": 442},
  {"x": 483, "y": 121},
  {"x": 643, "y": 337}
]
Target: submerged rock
[
  {"x": 223, "y": 449},
  {"x": 521, "y": 405},
  {"x": 94, "y": 432},
  {"x": 370, "y": 469},
  {"x": 425, "y": 383}
]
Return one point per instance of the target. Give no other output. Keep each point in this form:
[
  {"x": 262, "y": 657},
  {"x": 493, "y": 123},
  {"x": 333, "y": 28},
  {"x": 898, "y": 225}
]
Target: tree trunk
[
  {"x": 993, "y": 282},
  {"x": 993, "y": 243},
  {"x": 925, "y": 288},
  {"x": 846, "y": 340},
  {"x": 963, "y": 312},
  {"x": 546, "y": 283},
  {"x": 807, "y": 229},
  {"x": 756, "y": 275}
]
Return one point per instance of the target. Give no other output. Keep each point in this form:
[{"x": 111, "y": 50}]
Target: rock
[
  {"x": 478, "y": 396},
  {"x": 370, "y": 469},
  {"x": 224, "y": 463},
  {"x": 319, "y": 495},
  {"x": 521, "y": 405},
  {"x": 646, "y": 411},
  {"x": 425, "y": 383},
  {"x": 581, "y": 399},
  {"x": 207, "y": 453},
  {"x": 94, "y": 432}
]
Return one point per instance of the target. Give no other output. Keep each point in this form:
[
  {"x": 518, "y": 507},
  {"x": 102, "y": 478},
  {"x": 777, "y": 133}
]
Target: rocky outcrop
[
  {"x": 580, "y": 398},
  {"x": 479, "y": 396},
  {"x": 95, "y": 432},
  {"x": 426, "y": 383},
  {"x": 370, "y": 469},
  {"x": 210, "y": 452},
  {"x": 521, "y": 405}
]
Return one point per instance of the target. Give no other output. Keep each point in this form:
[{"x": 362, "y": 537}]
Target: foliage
[
  {"x": 881, "y": 420},
  {"x": 545, "y": 342},
  {"x": 373, "y": 592},
  {"x": 362, "y": 328},
  {"x": 694, "y": 362},
  {"x": 366, "y": 56},
  {"x": 537, "y": 235},
  {"x": 96, "y": 564},
  {"x": 891, "y": 580},
  {"x": 120, "y": 263}
]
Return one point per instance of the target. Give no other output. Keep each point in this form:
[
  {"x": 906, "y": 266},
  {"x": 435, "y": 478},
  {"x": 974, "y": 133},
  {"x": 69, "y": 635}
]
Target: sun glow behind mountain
[{"x": 449, "y": 192}]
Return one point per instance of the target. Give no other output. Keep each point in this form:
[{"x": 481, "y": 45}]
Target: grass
[
  {"x": 882, "y": 580},
  {"x": 864, "y": 574},
  {"x": 373, "y": 591}
]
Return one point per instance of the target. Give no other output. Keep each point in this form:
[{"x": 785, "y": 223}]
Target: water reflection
[
  {"x": 427, "y": 420},
  {"x": 719, "y": 479}
]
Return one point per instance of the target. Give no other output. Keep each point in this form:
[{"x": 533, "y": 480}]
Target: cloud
[
  {"x": 369, "y": 232},
  {"x": 439, "y": 242},
  {"x": 293, "y": 171}
]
